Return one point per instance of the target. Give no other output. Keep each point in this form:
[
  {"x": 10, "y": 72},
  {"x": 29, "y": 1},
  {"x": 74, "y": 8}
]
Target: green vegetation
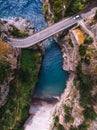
[
  {"x": 68, "y": 112},
  {"x": 85, "y": 54},
  {"x": 71, "y": 7},
  {"x": 74, "y": 6},
  {"x": 17, "y": 33},
  {"x": 16, "y": 109},
  {"x": 5, "y": 71},
  {"x": 69, "y": 118},
  {"x": 89, "y": 113},
  {"x": 45, "y": 9},
  {"x": 85, "y": 86},
  {"x": 85, "y": 98},
  {"x": 83, "y": 127},
  {"x": 60, "y": 127},
  {"x": 82, "y": 50},
  {"x": 88, "y": 40},
  {"x": 57, "y": 124},
  {"x": 56, "y": 6}
]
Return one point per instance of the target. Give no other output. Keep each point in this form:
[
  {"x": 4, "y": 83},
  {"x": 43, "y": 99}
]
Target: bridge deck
[{"x": 42, "y": 35}]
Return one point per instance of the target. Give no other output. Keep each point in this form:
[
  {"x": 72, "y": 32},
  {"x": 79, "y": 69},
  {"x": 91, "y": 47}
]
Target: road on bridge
[
  {"x": 42, "y": 35},
  {"x": 49, "y": 31}
]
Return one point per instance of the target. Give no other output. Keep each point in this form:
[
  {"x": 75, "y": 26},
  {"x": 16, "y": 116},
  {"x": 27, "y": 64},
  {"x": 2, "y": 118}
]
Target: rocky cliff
[
  {"x": 76, "y": 109},
  {"x": 19, "y": 70},
  {"x": 8, "y": 57},
  {"x": 18, "y": 28}
]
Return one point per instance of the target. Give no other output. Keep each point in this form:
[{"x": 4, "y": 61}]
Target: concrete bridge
[
  {"x": 49, "y": 31},
  {"x": 43, "y": 34}
]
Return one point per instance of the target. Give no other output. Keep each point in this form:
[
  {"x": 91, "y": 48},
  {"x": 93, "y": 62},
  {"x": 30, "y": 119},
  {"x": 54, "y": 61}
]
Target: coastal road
[
  {"x": 49, "y": 31},
  {"x": 42, "y": 35}
]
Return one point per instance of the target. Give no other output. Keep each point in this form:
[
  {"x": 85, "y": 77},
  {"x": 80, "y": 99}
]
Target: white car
[{"x": 76, "y": 17}]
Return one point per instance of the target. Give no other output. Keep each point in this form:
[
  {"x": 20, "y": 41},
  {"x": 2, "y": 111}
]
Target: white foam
[{"x": 43, "y": 119}]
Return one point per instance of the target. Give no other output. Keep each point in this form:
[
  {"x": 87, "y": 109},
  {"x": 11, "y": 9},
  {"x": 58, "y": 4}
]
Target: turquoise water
[{"x": 52, "y": 78}]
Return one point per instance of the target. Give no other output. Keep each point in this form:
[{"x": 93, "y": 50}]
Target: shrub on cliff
[
  {"x": 88, "y": 40},
  {"x": 57, "y": 9},
  {"x": 82, "y": 50},
  {"x": 68, "y": 116},
  {"x": 82, "y": 127},
  {"x": 56, "y": 123},
  {"x": 5, "y": 70},
  {"x": 24, "y": 75},
  {"x": 60, "y": 127},
  {"x": 84, "y": 87},
  {"x": 85, "y": 98},
  {"x": 15, "y": 111},
  {"x": 17, "y": 33},
  {"x": 89, "y": 113},
  {"x": 74, "y": 6}
]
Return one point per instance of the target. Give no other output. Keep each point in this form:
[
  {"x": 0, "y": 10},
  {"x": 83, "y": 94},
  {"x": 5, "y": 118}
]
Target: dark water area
[{"x": 52, "y": 78}]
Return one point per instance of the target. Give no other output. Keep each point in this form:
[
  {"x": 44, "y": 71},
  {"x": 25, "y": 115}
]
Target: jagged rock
[{"x": 22, "y": 24}]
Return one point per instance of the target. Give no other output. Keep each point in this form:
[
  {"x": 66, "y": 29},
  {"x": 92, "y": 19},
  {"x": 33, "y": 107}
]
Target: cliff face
[
  {"x": 18, "y": 28},
  {"x": 70, "y": 51},
  {"x": 78, "y": 101},
  {"x": 8, "y": 54},
  {"x": 77, "y": 108},
  {"x": 19, "y": 70},
  {"x": 47, "y": 12},
  {"x": 8, "y": 63}
]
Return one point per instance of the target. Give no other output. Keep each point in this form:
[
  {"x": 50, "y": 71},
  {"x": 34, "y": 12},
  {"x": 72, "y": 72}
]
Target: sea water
[{"x": 52, "y": 78}]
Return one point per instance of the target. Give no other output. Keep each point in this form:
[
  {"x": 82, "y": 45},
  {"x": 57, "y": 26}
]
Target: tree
[
  {"x": 82, "y": 127},
  {"x": 17, "y": 33},
  {"x": 78, "y": 6},
  {"x": 5, "y": 70},
  {"x": 60, "y": 127},
  {"x": 82, "y": 49},
  {"x": 56, "y": 123},
  {"x": 68, "y": 116},
  {"x": 88, "y": 40},
  {"x": 24, "y": 75},
  {"x": 89, "y": 113}
]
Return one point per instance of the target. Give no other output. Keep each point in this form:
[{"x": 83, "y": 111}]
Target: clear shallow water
[{"x": 52, "y": 78}]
